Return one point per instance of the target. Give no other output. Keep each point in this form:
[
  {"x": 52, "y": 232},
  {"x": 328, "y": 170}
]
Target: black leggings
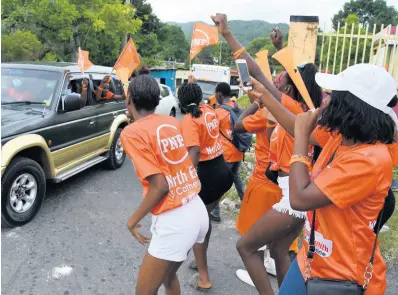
[
  {"x": 216, "y": 179},
  {"x": 389, "y": 207}
]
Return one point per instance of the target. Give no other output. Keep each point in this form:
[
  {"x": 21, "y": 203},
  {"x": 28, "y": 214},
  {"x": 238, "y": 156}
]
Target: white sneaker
[
  {"x": 243, "y": 275},
  {"x": 269, "y": 264}
]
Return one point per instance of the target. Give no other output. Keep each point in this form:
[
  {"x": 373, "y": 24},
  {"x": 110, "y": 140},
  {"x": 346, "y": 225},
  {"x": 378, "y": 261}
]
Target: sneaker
[
  {"x": 384, "y": 228},
  {"x": 216, "y": 219},
  {"x": 269, "y": 264},
  {"x": 243, "y": 275}
]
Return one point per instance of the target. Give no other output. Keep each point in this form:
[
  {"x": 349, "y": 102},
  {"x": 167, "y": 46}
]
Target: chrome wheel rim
[
  {"x": 23, "y": 193},
  {"x": 119, "y": 152}
]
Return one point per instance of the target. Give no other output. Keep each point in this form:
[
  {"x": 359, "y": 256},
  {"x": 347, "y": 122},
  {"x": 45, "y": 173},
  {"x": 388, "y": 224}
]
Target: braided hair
[{"x": 190, "y": 96}]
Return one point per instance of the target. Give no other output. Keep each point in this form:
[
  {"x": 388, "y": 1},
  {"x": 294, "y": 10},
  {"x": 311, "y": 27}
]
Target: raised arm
[
  {"x": 282, "y": 115},
  {"x": 220, "y": 20}
]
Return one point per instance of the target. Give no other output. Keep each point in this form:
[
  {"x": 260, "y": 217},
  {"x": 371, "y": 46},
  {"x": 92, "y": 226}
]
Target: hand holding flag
[{"x": 83, "y": 61}]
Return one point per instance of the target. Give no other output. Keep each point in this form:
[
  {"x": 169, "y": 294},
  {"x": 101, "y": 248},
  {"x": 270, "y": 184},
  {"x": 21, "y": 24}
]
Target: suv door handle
[{"x": 92, "y": 122}]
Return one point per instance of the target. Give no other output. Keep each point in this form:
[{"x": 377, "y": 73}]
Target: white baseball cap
[{"x": 370, "y": 83}]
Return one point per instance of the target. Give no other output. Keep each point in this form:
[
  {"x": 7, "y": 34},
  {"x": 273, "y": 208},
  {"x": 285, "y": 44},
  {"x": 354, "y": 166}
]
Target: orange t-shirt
[
  {"x": 257, "y": 123},
  {"x": 356, "y": 181},
  {"x": 231, "y": 153},
  {"x": 156, "y": 146},
  {"x": 281, "y": 142},
  {"x": 203, "y": 132}
]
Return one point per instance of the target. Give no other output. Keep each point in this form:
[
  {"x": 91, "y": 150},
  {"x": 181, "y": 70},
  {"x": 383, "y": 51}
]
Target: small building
[
  {"x": 182, "y": 77},
  {"x": 165, "y": 76}
]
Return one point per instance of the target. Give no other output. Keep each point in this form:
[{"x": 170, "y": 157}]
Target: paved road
[{"x": 79, "y": 244}]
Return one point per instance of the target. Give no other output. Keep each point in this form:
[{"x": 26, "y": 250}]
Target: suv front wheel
[
  {"x": 116, "y": 153},
  {"x": 23, "y": 187}
]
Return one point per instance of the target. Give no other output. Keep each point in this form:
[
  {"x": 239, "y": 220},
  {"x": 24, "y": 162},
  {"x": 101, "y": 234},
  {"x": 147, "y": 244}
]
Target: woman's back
[
  {"x": 203, "y": 132},
  {"x": 155, "y": 145}
]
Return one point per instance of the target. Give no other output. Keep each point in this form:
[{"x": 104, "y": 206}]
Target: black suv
[{"x": 48, "y": 134}]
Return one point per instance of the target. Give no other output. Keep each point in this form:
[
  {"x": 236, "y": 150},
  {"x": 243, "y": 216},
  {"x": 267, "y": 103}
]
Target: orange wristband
[
  {"x": 256, "y": 102},
  {"x": 238, "y": 52},
  {"x": 100, "y": 88},
  {"x": 300, "y": 159}
]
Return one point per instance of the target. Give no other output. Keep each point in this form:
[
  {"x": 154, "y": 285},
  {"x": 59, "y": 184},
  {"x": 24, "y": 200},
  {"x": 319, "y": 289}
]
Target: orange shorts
[{"x": 259, "y": 198}]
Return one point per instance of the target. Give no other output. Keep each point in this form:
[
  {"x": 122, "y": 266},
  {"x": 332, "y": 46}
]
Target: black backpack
[{"x": 242, "y": 141}]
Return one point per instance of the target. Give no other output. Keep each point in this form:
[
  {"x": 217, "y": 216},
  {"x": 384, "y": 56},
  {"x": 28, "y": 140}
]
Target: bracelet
[
  {"x": 100, "y": 88},
  {"x": 84, "y": 89},
  {"x": 238, "y": 52},
  {"x": 258, "y": 105},
  {"x": 300, "y": 159},
  {"x": 269, "y": 125}
]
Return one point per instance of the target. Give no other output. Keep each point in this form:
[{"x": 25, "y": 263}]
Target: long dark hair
[
  {"x": 190, "y": 96},
  {"x": 355, "y": 119}
]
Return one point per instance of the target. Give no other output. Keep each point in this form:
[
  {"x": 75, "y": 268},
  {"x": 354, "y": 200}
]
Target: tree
[
  {"x": 352, "y": 20},
  {"x": 19, "y": 46},
  {"x": 369, "y": 12},
  {"x": 64, "y": 25},
  {"x": 174, "y": 46},
  {"x": 227, "y": 56}
]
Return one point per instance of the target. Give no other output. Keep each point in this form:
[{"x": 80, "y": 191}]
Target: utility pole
[{"x": 220, "y": 53}]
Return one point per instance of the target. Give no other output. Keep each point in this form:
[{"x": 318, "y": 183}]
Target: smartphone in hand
[{"x": 243, "y": 73}]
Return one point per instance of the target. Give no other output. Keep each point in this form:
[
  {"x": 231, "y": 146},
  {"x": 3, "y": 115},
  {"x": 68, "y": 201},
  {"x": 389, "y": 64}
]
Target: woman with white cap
[{"x": 345, "y": 193}]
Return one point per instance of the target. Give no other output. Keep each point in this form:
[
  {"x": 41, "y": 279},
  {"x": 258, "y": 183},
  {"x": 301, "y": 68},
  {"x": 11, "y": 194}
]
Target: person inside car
[{"x": 103, "y": 92}]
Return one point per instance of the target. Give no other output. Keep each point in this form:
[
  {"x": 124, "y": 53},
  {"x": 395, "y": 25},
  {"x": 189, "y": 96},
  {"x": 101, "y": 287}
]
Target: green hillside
[{"x": 245, "y": 31}]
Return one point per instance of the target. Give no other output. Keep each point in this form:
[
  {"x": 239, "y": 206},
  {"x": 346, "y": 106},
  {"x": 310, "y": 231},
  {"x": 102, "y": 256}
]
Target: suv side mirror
[{"x": 72, "y": 102}]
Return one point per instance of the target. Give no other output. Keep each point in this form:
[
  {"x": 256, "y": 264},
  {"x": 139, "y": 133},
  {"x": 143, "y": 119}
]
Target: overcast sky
[{"x": 272, "y": 11}]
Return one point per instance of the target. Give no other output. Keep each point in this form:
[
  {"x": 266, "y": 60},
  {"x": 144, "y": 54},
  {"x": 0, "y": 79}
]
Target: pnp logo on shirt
[
  {"x": 171, "y": 144},
  {"x": 211, "y": 124}
]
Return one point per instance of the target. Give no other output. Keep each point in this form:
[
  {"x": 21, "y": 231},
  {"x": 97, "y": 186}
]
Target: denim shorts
[{"x": 294, "y": 283}]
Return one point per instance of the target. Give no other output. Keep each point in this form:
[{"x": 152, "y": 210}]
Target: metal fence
[{"x": 352, "y": 43}]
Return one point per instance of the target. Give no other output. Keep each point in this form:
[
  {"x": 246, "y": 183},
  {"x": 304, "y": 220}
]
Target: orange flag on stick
[
  {"x": 127, "y": 62},
  {"x": 262, "y": 61},
  {"x": 83, "y": 61},
  {"x": 285, "y": 57},
  {"x": 202, "y": 36}
]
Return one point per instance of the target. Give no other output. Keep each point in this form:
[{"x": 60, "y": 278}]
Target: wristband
[
  {"x": 238, "y": 52},
  {"x": 258, "y": 105},
  {"x": 84, "y": 89},
  {"x": 269, "y": 125},
  {"x": 100, "y": 88},
  {"x": 300, "y": 159}
]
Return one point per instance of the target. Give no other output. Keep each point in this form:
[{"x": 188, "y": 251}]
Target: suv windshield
[
  {"x": 208, "y": 88},
  {"x": 28, "y": 86}
]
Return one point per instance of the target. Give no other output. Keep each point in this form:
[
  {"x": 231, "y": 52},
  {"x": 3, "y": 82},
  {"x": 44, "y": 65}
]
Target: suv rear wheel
[
  {"x": 23, "y": 187},
  {"x": 116, "y": 154}
]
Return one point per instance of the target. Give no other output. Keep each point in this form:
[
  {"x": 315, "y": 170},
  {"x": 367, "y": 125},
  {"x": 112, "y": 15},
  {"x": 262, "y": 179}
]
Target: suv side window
[
  {"x": 113, "y": 87},
  {"x": 118, "y": 85},
  {"x": 164, "y": 91},
  {"x": 73, "y": 84}
]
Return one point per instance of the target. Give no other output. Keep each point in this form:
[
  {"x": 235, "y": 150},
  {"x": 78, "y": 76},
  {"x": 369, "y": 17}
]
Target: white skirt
[{"x": 284, "y": 205}]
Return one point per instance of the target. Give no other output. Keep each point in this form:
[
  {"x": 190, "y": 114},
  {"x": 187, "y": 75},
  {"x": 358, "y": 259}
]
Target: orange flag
[
  {"x": 202, "y": 36},
  {"x": 83, "y": 61},
  {"x": 127, "y": 62},
  {"x": 262, "y": 61}
]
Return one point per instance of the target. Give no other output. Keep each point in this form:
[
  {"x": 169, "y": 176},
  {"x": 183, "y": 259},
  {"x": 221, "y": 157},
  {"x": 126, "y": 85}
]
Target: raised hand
[
  {"x": 277, "y": 38},
  {"x": 221, "y": 22}
]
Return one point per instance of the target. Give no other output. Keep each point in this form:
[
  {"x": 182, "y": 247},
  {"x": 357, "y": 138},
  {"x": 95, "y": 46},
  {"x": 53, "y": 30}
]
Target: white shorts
[
  {"x": 284, "y": 204},
  {"x": 174, "y": 232}
]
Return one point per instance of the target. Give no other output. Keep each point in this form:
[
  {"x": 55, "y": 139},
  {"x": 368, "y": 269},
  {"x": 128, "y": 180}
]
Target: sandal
[{"x": 194, "y": 282}]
